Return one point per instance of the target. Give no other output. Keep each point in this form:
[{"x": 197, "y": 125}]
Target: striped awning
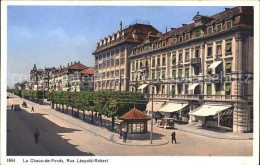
[
  {"x": 193, "y": 86},
  {"x": 172, "y": 107},
  {"x": 156, "y": 106},
  {"x": 209, "y": 110},
  {"x": 215, "y": 64},
  {"x": 142, "y": 86}
]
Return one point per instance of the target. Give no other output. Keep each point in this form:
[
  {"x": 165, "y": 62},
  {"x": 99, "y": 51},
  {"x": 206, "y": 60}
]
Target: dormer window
[
  {"x": 219, "y": 28},
  {"x": 164, "y": 43},
  {"x": 197, "y": 33},
  {"x": 187, "y": 37},
  {"x": 174, "y": 40},
  {"x": 154, "y": 46},
  {"x": 147, "y": 48},
  {"x": 229, "y": 25},
  {"x": 180, "y": 38},
  {"x": 210, "y": 30}
]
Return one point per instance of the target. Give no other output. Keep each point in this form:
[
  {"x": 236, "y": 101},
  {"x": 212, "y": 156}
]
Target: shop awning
[
  {"x": 215, "y": 64},
  {"x": 118, "y": 121},
  {"x": 172, "y": 107},
  {"x": 142, "y": 86},
  {"x": 193, "y": 86},
  {"x": 156, "y": 106},
  {"x": 209, "y": 110}
]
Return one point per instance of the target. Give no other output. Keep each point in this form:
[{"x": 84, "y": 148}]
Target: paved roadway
[{"x": 60, "y": 136}]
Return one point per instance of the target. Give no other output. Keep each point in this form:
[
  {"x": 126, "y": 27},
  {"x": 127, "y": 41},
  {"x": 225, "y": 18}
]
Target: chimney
[
  {"x": 71, "y": 63},
  {"x": 120, "y": 26},
  {"x": 74, "y": 62},
  {"x": 226, "y": 9},
  {"x": 68, "y": 64},
  {"x": 78, "y": 62},
  {"x": 198, "y": 13},
  {"x": 166, "y": 29}
]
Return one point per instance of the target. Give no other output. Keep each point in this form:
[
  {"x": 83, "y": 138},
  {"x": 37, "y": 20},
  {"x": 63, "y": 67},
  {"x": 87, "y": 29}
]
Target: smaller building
[{"x": 134, "y": 121}]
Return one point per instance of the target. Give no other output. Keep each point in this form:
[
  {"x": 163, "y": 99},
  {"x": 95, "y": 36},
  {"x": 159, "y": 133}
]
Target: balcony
[{"x": 195, "y": 61}]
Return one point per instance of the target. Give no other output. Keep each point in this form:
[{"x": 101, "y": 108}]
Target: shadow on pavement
[{"x": 21, "y": 126}]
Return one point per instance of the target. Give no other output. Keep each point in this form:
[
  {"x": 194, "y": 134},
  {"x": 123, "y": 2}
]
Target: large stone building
[
  {"x": 112, "y": 56},
  {"x": 202, "y": 72}
]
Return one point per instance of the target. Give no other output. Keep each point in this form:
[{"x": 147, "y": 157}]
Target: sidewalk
[
  {"x": 142, "y": 139},
  {"x": 214, "y": 133}
]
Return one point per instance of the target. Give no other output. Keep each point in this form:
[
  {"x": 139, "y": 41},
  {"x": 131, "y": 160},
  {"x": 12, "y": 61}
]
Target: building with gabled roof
[
  {"x": 112, "y": 56},
  {"x": 207, "y": 62}
]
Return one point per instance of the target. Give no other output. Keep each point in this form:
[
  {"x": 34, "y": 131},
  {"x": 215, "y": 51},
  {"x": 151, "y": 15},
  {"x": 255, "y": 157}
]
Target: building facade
[
  {"x": 112, "y": 56},
  {"x": 205, "y": 64}
]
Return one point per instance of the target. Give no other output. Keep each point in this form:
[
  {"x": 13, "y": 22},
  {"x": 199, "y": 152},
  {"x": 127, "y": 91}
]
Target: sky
[{"x": 50, "y": 36}]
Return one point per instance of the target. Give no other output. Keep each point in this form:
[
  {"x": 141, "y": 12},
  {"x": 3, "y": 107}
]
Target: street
[{"x": 60, "y": 135}]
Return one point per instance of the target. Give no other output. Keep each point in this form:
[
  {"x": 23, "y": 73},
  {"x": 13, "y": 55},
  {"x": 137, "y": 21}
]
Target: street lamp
[{"x": 151, "y": 134}]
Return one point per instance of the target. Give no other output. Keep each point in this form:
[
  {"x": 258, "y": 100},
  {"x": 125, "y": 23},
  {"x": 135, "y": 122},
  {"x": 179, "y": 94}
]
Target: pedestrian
[
  {"x": 36, "y": 136},
  {"x": 124, "y": 136},
  {"x": 120, "y": 134},
  {"x": 12, "y": 107},
  {"x": 32, "y": 109},
  {"x": 174, "y": 137},
  {"x": 180, "y": 120}
]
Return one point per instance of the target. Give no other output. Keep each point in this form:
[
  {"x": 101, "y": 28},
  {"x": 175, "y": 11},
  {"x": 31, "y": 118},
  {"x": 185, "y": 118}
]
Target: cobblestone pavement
[{"x": 92, "y": 139}]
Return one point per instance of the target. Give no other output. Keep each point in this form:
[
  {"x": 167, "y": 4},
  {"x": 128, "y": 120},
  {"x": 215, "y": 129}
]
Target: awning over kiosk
[
  {"x": 209, "y": 110},
  {"x": 172, "y": 107},
  {"x": 156, "y": 106},
  {"x": 215, "y": 64},
  {"x": 142, "y": 86},
  {"x": 193, "y": 86}
]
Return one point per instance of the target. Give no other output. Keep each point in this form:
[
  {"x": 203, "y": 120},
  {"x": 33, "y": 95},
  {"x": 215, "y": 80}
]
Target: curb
[
  {"x": 108, "y": 139},
  {"x": 215, "y": 136}
]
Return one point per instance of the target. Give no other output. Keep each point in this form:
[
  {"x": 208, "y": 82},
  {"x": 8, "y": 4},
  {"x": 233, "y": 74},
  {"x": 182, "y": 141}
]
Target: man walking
[
  {"x": 124, "y": 136},
  {"x": 36, "y": 136},
  {"x": 173, "y": 137},
  {"x": 32, "y": 109}
]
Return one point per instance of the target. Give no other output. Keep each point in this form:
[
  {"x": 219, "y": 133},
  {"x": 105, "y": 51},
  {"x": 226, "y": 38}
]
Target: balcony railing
[{"x": 195, "y": 61}]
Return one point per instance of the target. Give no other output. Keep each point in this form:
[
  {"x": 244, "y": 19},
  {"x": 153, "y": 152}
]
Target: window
[
  {"x": 153, "y": 74},
  {"x": 154, "y": 46},
  {"x": 179, "y": 88},
  {"x": 112, "y": 74},
  {"x": 180, "y": 57},
  {"x": 173, "y": 90},
  {"x": 163, "y": 74},
  {"x": 228, "y": 89},
  {"x": 122, "y": 61},
  {"x": 209, "y": 51},
  {"x": 133, "y": 66},
  {"x": 187, "y": 37},
  {"x": 228, "y": 67},
  {"x": 133, "y": 77},
  {"x": 218, "y": 50},
  {"x": 163, "y": 87},
  {"x": 209, "y": 89},
  {"x": 174, "y": 40},
  {"x": 117, "y": 51},
  {"x": 117, "y": 73},
  {"x": 180, "y": 73},
  {"x": 197, "y": 33},
  {"x": 209, "y": 70},
  {"x": 228, "y": 24},
  {"x": 174, "y": 59},
  {"x": 186, "y": 89},
  {"x": 180, "y": 38},
  {"x": 108, "y": 64},
  {"x": 104, "y": 65},
  {"x": 158, "y": 61},
  {"x": 209, "y": 30},
  {"x": 218, "y": 87},
  {"x": 122, "y": 72},
  {"x": 197, "y": 53},
  {"x": 163, "y": 61},
  {"x": 164, "y": 43},
  {"x": 187, "y": 55},
  {"x": 173, "y": 73},
  {"x": 158, "y": 75},
  {"x": 228, "y": 48},
  {"x": 153, "y": 62},
  {"x": 146, "y": 48},
  {"x": 136, "y": 65},
  {"x": 112, "y": 63},
  {"x": 117, "y": 62},
  {"x": 187, "y": 71},
  {"x": 218, "y": 27},
  {"x": 122, "y": 49},
  {"x": 141, "y": 64}
]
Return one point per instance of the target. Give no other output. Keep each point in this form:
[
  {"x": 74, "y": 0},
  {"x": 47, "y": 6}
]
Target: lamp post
[{"x": 151, "y": 134}]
